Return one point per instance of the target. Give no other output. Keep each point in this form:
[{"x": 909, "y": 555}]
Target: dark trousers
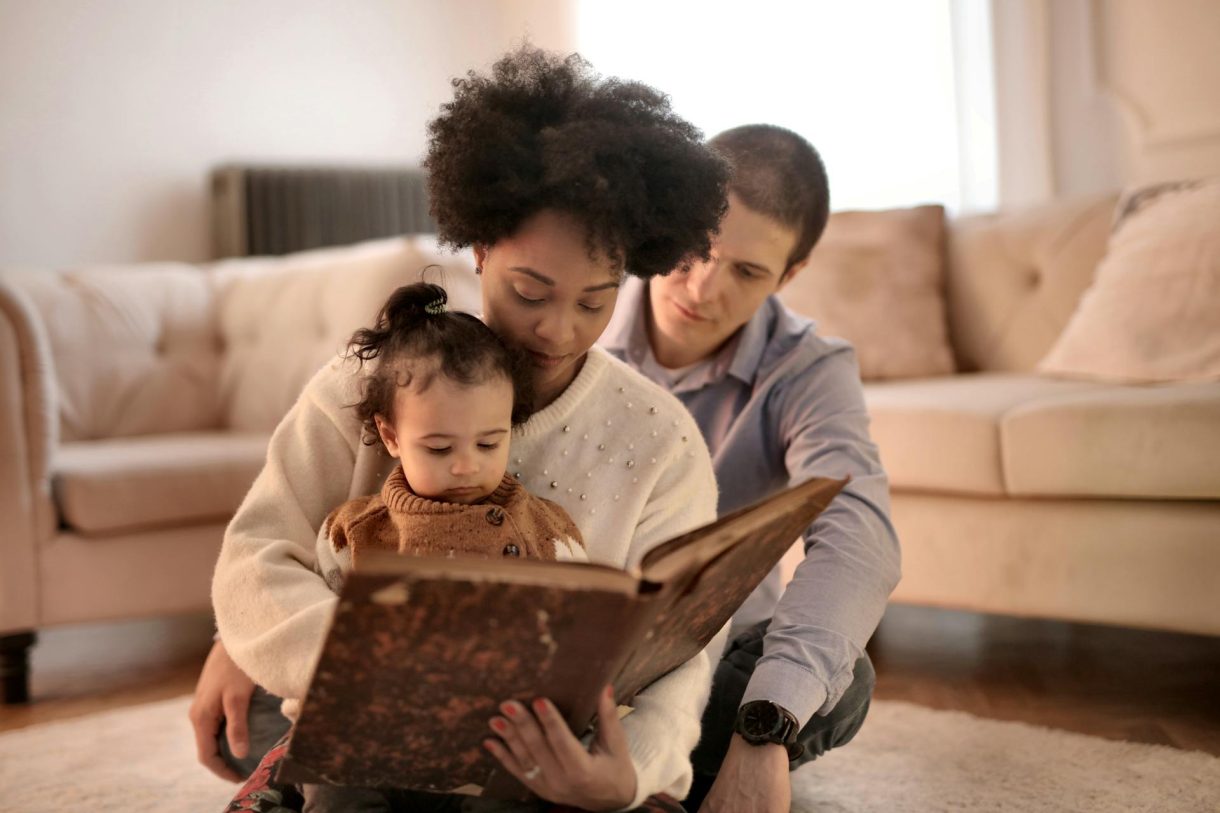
[{"x": 819, "y": 735}]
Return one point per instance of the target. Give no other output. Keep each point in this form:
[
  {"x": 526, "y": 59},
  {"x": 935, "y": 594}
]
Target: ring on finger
[{"x": 533, "y": 773}]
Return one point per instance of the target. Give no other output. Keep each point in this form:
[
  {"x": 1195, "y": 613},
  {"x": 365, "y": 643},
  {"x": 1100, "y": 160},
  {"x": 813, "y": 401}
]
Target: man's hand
[
  {"x": 538, "y": 748},
  {"x": 222, "y": 693},
  {"x": 752, "y": 779}
]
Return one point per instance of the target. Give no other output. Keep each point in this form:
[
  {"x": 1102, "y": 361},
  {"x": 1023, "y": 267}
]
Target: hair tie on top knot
[{"x": 436, "y": 306}]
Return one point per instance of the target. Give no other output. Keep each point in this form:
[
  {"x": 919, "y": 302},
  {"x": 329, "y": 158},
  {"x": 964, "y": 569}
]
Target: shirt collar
[{"x": 627, "y": 335}]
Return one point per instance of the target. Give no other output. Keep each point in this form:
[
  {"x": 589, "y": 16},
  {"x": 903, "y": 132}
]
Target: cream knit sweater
[{"x": 618, "y": 453}]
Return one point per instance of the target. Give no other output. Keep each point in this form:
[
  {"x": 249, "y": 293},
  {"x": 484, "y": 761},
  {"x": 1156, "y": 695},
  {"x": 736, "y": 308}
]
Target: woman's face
[{"x": 542, "y": 292}]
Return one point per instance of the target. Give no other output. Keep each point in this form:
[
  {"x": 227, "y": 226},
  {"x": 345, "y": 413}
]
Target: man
[{"x": 777, "y": 405}]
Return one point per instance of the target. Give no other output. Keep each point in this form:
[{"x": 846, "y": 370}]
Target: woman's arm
[
  {"x": 272, "y": 607},
  {"x": 664, "y": 727}
]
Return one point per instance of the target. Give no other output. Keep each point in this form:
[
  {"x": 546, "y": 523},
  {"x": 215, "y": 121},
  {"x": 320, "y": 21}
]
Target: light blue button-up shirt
[{"x": 777, "y": 406}]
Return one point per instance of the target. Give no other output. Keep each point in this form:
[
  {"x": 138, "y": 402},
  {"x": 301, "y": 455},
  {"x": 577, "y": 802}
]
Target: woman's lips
[{"x": 545, "y": 360}]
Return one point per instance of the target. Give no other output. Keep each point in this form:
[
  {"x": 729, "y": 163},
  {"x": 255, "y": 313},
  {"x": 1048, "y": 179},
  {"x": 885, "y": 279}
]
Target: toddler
[{"x": 441, "y": 392}]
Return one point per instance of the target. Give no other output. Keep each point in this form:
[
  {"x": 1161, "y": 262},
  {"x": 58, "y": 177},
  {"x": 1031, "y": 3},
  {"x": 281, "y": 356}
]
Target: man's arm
[
  {"x": 852, "y": 563},
  {"x": 839, "y": 591}
]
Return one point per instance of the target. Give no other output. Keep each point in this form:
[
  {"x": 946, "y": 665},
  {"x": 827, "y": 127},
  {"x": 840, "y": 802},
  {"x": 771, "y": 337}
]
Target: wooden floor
[{"x": 1115, "y": 683}]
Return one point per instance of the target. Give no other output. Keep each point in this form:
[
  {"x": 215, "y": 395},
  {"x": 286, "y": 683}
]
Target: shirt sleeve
[
  {"x": 272, "y": 605},
  {"x": 663, "y": 728},
  {"x": 852, "y": 562}
]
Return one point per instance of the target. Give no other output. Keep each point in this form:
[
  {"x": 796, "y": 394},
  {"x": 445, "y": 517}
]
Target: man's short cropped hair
[{"x": 779, "y": 174}]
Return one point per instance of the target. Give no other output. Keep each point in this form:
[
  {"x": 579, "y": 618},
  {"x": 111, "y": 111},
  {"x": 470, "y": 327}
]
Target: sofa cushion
[
  {"x": 106, "y": 486},
  {"x": 1015, "y": 280},
  {"x": 134, "y": 348},
  {"x": 1153, "y": 311},
  {"x": 1117, "y": 441},
  {"x": 944, "y": 434},
  {"x": 281, "y": 318},
  {"x": 877, "y": 279}
]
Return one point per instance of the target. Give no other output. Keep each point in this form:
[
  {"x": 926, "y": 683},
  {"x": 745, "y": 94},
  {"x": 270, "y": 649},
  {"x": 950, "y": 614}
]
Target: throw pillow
[
  {"x": 877, "y": 279},
  {"x": 1152, "y": 313}
]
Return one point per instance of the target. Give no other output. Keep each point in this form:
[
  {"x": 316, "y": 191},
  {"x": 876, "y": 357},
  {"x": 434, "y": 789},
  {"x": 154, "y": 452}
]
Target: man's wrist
[
  {"x": 764, "y": 722},
  {"x": 766, "y": 752}
]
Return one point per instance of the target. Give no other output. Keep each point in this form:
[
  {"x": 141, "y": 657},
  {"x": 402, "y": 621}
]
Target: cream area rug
[{"x": 906, "y": 758}]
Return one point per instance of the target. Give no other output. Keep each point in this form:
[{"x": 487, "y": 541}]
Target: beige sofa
[
  {"x": 1020, "y": 494},
  {"x": 135, "y": 405}
]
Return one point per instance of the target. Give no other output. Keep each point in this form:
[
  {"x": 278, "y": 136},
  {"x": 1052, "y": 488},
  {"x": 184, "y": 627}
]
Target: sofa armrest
[{"x": 28, "y": 436}]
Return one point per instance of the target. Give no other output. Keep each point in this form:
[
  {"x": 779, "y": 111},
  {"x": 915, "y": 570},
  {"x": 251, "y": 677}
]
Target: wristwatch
[{"x": 760, "y": 722}]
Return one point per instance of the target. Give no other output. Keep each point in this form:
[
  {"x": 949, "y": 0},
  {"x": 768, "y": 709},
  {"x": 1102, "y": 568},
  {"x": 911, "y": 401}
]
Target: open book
[{"x": 421, "y": 651}]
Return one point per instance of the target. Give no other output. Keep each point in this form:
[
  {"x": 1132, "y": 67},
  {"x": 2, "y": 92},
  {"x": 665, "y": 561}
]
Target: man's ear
[
  {"x": 388, "y": 436},
  {"x": 793, "y": 270}
]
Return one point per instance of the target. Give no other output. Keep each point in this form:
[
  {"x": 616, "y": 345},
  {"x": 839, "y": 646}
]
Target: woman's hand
[
  {"x": 222, "y": 693},
  {"x": 540, "y": 750}
]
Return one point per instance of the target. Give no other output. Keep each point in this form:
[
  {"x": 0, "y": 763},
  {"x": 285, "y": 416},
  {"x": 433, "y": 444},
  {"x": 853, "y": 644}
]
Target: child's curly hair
[
  {"x": 415, "y": 339},
  {"x": 544, "y": 132}
]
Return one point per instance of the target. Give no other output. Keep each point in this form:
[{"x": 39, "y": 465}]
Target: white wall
[
  {"x": 1135, "y": 96},
  {"x": 112, "y": 113}
]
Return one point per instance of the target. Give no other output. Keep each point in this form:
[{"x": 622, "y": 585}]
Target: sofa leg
[{"x": 15, "y": 667}]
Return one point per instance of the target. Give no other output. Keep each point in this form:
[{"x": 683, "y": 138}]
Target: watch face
[{"x": 761, "y": 720}]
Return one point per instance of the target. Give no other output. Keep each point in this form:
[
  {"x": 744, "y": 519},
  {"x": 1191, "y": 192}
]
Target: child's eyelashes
[{"x": 441, "y": 451}]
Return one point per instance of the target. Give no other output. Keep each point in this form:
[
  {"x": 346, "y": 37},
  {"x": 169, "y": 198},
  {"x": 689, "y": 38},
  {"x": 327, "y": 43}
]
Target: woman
[{"x": 560, "y": 182}]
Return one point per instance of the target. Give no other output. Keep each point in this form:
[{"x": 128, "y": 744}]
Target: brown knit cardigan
[{"x": 509, "y": 522}]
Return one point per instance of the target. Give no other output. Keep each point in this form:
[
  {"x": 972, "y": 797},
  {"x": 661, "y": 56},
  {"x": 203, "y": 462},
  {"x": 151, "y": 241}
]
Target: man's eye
[{"x": 748, "y": 272}]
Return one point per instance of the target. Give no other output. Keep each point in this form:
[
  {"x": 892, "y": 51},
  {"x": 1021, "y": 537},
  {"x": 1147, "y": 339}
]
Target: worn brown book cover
[{"x": 421, "y": 651}]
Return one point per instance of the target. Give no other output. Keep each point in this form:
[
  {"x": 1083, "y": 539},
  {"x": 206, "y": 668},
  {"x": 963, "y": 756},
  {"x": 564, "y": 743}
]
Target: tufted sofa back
[
  {"x": 1015, "y": 279},
  {"x": 280, "y": 319},
  {"x": 161, "y": 347}
]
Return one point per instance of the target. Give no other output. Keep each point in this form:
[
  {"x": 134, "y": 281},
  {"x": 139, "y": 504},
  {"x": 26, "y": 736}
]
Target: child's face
[{"x": 451, "y": 439}]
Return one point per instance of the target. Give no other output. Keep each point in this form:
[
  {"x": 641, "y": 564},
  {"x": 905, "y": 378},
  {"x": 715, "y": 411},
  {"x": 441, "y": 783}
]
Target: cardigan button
[
  {"x": 512, "y": 550},
  {"x": 495, "y": 516}
]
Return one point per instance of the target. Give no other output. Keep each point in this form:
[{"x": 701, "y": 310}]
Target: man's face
[{"x": 695, "y": 312}]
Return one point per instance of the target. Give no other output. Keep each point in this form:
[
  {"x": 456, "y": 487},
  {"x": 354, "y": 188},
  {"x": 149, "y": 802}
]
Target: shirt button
[
  {"x": 512, "y": 550},
  {"x": 495, "y": 516}
]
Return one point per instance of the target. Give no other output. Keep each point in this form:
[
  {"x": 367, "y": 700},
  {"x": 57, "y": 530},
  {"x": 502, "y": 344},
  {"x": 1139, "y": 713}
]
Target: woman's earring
[{"x": 478, "y": 270}]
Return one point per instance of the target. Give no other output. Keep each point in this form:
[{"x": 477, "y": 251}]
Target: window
[{"x": 885, "y": 89}]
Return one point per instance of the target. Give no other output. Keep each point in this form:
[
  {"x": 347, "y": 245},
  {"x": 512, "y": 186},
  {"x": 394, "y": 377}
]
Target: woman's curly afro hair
[{"x": 544, "y": 132}]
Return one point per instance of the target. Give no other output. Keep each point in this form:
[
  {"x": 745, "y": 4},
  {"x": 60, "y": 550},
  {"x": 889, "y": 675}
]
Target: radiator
[{"x": 261, "y": 210}]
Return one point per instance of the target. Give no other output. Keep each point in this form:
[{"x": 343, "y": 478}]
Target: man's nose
[{"x": 703, "y": 280}]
